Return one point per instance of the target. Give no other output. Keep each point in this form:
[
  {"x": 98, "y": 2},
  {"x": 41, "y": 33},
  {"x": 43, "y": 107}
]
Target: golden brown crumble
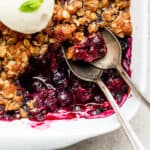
[
  {"x": 68, "y": 23},
  {"x": 74, "y": 16},
  {"x": 15, "y": 51}
]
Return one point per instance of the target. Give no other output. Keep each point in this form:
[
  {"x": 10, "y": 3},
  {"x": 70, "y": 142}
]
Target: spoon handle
[
  {"x": 131, "y": 84},
  {"x": 135, "y": 142}
]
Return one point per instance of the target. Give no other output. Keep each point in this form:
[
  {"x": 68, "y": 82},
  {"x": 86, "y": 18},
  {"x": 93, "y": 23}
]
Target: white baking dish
[{"x": 19, "y": 134}]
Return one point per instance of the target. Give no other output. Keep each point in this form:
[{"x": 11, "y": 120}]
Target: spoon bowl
[
  {"x": 85, "y": 71},
  {"x": 113, "y": 55}
]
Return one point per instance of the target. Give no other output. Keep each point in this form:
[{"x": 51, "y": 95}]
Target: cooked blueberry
[{"x": 64, "y": 98}]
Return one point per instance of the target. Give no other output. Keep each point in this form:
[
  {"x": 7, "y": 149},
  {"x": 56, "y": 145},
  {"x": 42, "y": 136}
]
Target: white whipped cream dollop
[{"x": 27, "y": 23}]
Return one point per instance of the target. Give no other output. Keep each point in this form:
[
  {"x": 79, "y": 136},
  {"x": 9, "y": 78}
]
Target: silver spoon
[
  {"x": 92, "y": 74},
  {"x": 113, "y": 60}
]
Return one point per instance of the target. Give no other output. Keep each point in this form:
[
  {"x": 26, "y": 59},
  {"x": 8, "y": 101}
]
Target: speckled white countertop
[{"x": 117, "y": 139}]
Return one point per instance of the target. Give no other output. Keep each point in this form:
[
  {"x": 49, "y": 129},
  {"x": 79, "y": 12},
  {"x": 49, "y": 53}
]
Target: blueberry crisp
[{"x": 35, "y": 81}]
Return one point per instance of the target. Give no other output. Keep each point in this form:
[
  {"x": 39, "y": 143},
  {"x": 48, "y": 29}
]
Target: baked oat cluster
[
  {"x": 71, "y": 17},
  {"x": 72, "y": 21}
]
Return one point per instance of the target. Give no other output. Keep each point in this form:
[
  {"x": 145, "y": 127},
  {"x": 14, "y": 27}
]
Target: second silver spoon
[{"x": 113, "y": 60}]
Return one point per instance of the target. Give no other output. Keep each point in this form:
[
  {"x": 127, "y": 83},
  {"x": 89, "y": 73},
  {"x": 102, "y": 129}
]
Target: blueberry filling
[
  {"x": 58, "y": 94},
  {"x": 89, "y": 49}
]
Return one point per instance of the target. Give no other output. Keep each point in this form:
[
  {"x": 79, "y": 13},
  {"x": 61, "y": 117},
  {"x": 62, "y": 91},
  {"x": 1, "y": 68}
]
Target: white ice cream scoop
[{"x": 25, "y": 22}]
